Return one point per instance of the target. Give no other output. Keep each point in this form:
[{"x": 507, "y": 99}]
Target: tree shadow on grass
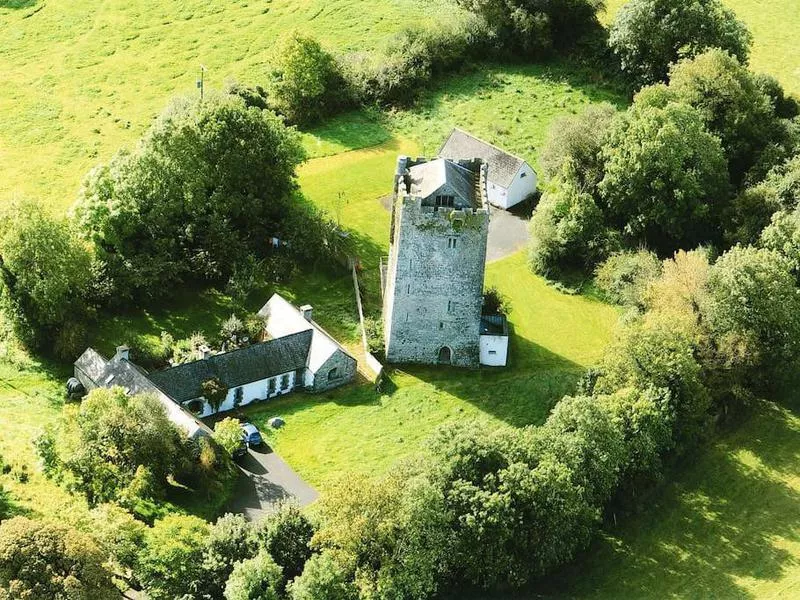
[{"x": 725, "y": 517}]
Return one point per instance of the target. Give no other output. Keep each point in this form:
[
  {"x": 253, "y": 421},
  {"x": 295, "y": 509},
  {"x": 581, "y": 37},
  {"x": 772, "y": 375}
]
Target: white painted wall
[
  {"x": 522, "y": 186},
  {"x": 494, "y": 350},
  {"x": 251, "y": 392}
]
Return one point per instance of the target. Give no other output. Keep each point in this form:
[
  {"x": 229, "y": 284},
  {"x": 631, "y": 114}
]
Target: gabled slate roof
[
  {"x": 134, "y": 380},
  {"x": 92, "y": 365},
  {"x": 429, "y": 177},
  {"x": 236, "y": 368},
  {"x": 282, "y": 318},
  {"x": 502, "y": 165}
]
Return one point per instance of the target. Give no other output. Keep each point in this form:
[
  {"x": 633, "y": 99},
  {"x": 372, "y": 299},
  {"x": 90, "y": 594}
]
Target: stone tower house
[{"x": 434, "y": 277}]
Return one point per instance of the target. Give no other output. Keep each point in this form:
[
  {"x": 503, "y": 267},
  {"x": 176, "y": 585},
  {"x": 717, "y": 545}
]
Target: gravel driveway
[{"x": 267, "y": 480}]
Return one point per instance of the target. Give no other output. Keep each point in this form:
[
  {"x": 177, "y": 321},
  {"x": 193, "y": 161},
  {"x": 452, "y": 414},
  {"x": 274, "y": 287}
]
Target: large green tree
[
  {"x": 666, "y": 178},
  {"x": 45, "y": 273},
  {"x": 649, "y": 35},
  {"x": 39, "y": 559},
  {"x": 206, "y": 186},
  {"x": 537, "y": 26}
]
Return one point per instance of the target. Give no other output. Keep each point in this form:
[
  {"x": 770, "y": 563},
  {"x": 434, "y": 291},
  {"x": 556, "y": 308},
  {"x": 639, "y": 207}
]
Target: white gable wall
[
  {"x": 494, "y": 350},
  {"x": 522, "y": 186}
]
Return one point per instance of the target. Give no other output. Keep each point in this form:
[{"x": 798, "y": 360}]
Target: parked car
[
  {"x": 251, "y": 435},
  {"x": 241, "y": 449}
]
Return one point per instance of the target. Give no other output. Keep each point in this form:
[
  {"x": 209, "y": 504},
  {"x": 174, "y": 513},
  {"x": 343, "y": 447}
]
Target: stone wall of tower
[{"x": 434, "y": 285}]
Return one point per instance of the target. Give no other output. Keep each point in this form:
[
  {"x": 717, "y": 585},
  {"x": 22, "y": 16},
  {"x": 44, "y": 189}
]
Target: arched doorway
[{"x": 445, "y": 355}]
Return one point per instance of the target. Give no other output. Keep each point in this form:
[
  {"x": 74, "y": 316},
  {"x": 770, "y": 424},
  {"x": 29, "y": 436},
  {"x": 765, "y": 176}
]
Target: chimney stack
[
  {"x": 123, "y": 353},
  {"x": 204, "y": 352},
  {"x": 307, "y": 311}
]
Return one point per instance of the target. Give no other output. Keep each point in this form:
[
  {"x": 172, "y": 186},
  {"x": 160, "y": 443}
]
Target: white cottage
[
  {"x": 297, "y": 354},
  {"x": 510, "y": 179},
  {"x": 494, "y": 341}
]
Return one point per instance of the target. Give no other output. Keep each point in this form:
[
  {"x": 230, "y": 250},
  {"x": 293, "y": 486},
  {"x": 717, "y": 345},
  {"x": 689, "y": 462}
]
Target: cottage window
[
  {"x": 285, "y": 382},
  {"x": 333, "y": 373},
  {"x": 523, "y": 175},
  {"x": 238, "y": 396},
  {"x": 271, "y": 387},
  {"x": 491, "y": 352}
]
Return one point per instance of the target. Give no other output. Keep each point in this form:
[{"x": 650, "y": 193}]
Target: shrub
[
  {"x": 304, "y": 82},
  {"x": 495, "y": 302},
  {"x": 256, "y": 578},
  {"x": 567, "y": 230},
  {"x": 650, "y": 35},
  {"x": 624, "y": 276},
  {"x": 228, "y": 434},
  {"x": 170, "y": 562},
  {"x": 783, "y": 236}
]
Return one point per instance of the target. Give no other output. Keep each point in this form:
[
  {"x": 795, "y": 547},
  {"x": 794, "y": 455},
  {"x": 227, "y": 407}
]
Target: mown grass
[
  {"x": 82, "y": 79},
  {"x": 727, "y": 525},
  {"x": 774, "y": 26}
]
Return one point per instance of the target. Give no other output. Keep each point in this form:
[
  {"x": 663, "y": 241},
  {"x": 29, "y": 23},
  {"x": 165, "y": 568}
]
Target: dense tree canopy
[
  {"x": 575, "y": 142},
  {"x": 650, "y": 35},
  {"x": 666, "y": 178},
  {"x": 45, "y": 273},
  {"x": 536, "y": 26},
  {"x": 43, "y": 560},
  {"x": 206, "y": 186},
  {"x": 567, "y": 230}
]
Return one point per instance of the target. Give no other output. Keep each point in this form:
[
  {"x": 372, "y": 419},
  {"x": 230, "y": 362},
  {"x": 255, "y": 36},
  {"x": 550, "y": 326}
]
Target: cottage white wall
[
  {"x": 497, "y": 194},
  {"x": 251, "y": 392},
  {"x": 523, "y": 185},
  {"x": 497, "y": 344}
]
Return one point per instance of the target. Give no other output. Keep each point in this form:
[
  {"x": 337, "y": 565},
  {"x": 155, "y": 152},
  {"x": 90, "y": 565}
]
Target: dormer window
[{"x": 445, "y": 201}]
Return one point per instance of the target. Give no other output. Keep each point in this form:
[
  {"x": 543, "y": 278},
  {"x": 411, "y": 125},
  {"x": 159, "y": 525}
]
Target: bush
[
  {"x": 650, "y": 35},
  {"x": 170, "y": 563},
  {"x": 575, "y": 142},
  {"x": 397, "y": 73},
  {"x": 495, "y": 303},
  {"x": 624, "y": 276},
  {"x": 304, "y": 82},
  {"x": 256, "y": 578},
  {"x": 324, "y": 578},
  {"x": 228, "y": 434},
  {"x": 567, "y": 231},
  {"x": 536, "y": 28}
]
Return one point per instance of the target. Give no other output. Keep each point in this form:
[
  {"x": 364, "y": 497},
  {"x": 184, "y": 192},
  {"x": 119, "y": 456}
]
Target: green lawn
[
  {"x": 726, "y": 526},
  {"x": 774, "y": 24}
]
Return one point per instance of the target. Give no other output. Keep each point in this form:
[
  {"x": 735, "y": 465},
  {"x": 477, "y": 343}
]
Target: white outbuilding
[
  {"x": 510, "y": 179},
  {"x": 494, "y": 341}
]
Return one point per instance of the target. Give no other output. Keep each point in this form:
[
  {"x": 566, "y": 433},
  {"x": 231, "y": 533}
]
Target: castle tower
[{"x": 434, "y": 278}]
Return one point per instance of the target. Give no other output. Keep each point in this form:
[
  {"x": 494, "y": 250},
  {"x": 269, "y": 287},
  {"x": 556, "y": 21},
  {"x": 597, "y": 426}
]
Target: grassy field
[
  {"x": 82, "y": 79},
  {"x": 726, "y": 526},
  {"x": 774, "y": 24}
]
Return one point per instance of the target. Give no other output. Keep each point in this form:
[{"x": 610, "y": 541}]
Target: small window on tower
[
  {"x": 523, "y": 175},
  {"x": 449, "y": 306},
  {"x": 408, "y": 289},
  {"x": 441, "y": 325}
]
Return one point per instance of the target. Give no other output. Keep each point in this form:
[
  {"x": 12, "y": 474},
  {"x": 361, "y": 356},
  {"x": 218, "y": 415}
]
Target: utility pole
[{"x": 201, "y": 82}]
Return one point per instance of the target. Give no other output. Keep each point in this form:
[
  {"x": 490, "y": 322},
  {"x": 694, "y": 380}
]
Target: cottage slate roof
[
  {"x": 502, "y": 165},
  {"x": 92, "y": 364},
  {"x": 134, "y": 380},
  {"x": 282, "y": 318},
  {"x": 237, "y": 367},
  {"x": 429, "y": 177}
]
